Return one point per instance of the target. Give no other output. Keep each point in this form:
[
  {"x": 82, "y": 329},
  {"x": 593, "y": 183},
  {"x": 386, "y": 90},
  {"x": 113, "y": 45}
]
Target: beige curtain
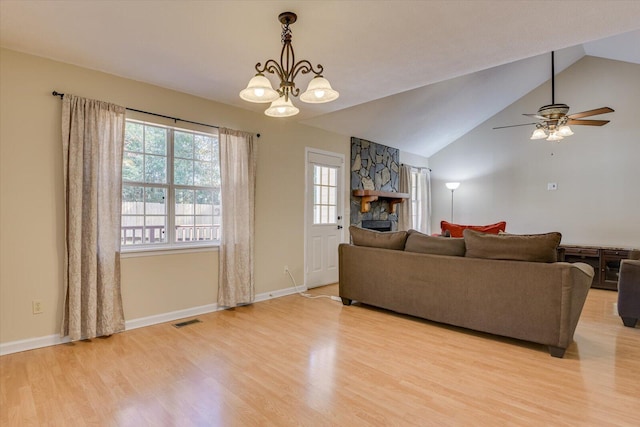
[
  {"x": 404, "y": 208},
  {"x": 238, "y": 159},
  {"x": 424, "y": 195},
  {"x": 92, "y": 137}
]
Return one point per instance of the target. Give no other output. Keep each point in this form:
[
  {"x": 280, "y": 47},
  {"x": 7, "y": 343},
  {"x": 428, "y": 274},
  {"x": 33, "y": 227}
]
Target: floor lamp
[{"x": 452, "y": 186}]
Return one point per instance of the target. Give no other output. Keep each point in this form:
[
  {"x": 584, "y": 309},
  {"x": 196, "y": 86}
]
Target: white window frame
[{"x": 170, "y": 246}]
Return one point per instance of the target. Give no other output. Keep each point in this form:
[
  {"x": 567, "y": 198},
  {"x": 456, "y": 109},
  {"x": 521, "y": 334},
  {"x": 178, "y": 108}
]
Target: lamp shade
[
  {"x": 259, "y": 90},
  {"x": 554, "y": 136},
  {"x": 452, "y": 185},
  {"x": 538, "y": 134},
  {"x": 318, "y": 91},
  {"x": 565, "y": 131},
  {"x": 281, "y": 108}
]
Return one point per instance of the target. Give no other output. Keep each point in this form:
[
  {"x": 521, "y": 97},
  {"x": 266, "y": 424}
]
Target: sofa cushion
[
  {"x": 526, "y": 247},
  {"x": 422, "y": 243},
  {"x": 378, "y": 239},
  {"x": 456, "y": 230}
]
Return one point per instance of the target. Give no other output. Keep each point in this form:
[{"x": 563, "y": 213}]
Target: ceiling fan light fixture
[
  {"x": 259, "y": 89},
  {"x": 554, "y": 118},
  {"x": 539, "y": 133},
  {"x": 282, "y": 108},
  {"x": 565, "y": 131}
]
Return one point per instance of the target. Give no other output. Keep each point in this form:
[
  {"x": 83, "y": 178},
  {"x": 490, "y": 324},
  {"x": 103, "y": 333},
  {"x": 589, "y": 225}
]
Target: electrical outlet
[
  {"x": 286, "y": 269},
  {"x": 36, "y": 305},
  {"x": 552, "y": 186}
]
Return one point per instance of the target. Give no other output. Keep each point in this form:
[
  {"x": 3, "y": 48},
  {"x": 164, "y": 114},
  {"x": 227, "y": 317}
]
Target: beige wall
[
  {"x": 504, "y": 175},
  {"x": 31, "y": 196}
]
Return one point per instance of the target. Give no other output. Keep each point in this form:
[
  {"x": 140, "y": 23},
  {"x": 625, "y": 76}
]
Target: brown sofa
[
  {"x": 533, "y": 301},
  {"x": 629, "y": 289}
]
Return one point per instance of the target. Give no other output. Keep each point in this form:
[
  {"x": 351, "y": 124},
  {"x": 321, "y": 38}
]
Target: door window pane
[{"x": 324, "y": 194}]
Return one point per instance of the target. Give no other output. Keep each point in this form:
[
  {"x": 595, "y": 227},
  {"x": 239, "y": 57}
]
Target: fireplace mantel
[{"x": 368, "y": 196}]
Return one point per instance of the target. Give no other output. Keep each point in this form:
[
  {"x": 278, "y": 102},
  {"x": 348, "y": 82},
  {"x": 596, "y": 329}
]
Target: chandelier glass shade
[
  {"x": 259, "y": 90},
  {"x": 286, "y": 70},
  {"x": 319, "y": 91},
  {"x": 281, "y": 108}
]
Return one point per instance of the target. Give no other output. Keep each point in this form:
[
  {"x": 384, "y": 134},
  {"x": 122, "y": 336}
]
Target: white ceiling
[{"x": 411, "y": 74}]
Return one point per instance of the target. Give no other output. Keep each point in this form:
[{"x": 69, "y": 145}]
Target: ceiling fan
[{"x": 554, "y": 120}]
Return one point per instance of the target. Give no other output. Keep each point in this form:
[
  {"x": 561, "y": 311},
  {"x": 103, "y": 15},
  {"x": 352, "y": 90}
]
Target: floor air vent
[{"x": 187, "y": 323}]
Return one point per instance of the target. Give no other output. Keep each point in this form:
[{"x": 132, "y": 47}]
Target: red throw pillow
[{"x": 457, "y": 229}]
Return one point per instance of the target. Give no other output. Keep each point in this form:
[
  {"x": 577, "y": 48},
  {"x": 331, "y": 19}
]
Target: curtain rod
[
  {"x": 175, "y": 119},
  {"x": 416, "y": 167}
]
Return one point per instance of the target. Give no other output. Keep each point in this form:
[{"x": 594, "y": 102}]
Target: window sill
[{"x": 166, "y": 250}]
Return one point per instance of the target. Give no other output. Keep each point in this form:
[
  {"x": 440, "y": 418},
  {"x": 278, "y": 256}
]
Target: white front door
[{"x": 324, "y": 216}]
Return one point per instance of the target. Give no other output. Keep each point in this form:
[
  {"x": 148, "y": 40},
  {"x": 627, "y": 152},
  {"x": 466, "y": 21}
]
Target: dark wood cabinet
[{"x": 604, "y": 260}]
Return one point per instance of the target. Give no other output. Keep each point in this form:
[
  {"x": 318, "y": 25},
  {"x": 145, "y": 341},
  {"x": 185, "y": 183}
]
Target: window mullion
[{"x": 171, "y": 227}]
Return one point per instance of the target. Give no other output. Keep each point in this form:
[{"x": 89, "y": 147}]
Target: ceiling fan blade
[
  {"x": 595, "y": 112},
  {"x": 587, "y": 122},
  {"x": 537, "y": 116},
  {"x": 512, "y": 126}
]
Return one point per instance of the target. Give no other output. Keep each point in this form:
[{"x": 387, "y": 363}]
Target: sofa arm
[{"x": 629, "y": 292}]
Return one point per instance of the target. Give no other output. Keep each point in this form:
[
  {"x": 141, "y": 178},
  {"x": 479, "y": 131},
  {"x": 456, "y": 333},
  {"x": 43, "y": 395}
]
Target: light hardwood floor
[{"x": 296, "y": 361}]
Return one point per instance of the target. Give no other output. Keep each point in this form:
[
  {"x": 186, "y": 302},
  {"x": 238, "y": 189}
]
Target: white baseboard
[
  {"x": 49, "y": 340},
  {"x": 279, "y": 293},
  {"x": 168, "y": 317},
  {"x": 32, "y": 344}
]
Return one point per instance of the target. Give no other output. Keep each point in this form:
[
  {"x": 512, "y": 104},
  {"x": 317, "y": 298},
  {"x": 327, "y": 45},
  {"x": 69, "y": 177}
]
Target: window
[
  {"x": 170, "y": 186},
  {"x": 325, "y": 199}
]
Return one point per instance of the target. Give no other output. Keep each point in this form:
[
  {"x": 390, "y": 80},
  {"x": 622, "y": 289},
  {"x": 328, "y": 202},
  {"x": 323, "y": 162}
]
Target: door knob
[{"x": 339, "y": 227}]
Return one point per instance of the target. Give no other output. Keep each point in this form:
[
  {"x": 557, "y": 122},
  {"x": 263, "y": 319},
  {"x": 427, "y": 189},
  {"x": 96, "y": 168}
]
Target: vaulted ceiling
[{"x": 415, "y": 75}]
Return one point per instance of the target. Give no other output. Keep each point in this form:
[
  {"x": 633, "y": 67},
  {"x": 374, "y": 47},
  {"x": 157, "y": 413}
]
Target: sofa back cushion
[
  {"x": 527, "y": 247},
  {"x": 455, "y": 230},
  {"x": 378, "y": 239},
  {"x": 425, "y": 244}
]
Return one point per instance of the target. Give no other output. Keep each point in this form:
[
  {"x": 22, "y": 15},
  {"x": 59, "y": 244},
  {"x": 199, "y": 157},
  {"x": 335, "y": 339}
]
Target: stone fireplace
[{"x": 374, "y": 167}]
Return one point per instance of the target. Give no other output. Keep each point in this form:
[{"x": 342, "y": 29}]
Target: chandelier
[{"x": 259, "y": 88}]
